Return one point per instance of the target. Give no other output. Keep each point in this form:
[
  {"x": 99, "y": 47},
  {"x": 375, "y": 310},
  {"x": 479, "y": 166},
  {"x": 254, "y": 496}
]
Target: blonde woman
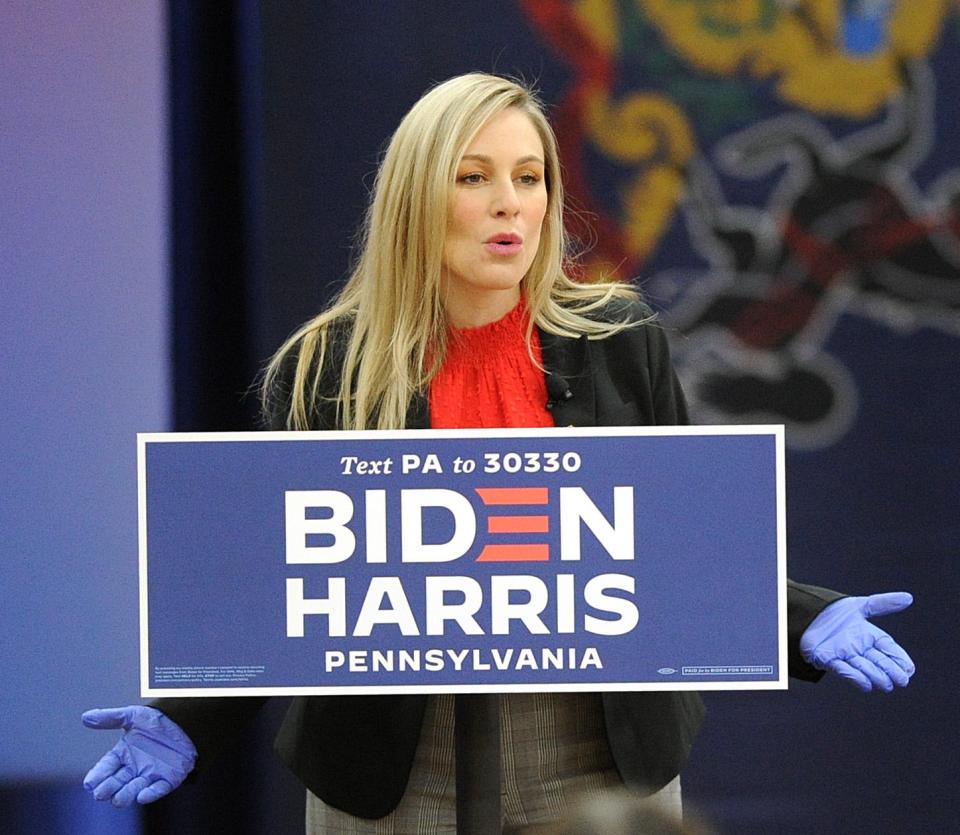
[{"x": 460, "y": 313}]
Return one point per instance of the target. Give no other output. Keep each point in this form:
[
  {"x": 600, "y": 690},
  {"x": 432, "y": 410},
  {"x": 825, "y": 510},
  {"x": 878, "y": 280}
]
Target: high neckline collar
[{"x": 511, "y": 322}]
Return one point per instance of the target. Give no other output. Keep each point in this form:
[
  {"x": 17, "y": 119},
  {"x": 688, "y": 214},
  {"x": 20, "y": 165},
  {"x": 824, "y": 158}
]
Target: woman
[{"x": 460, "y": 313}]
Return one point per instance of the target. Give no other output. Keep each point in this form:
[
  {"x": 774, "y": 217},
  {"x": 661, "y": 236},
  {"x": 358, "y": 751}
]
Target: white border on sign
[{"x": 775, "y": 430}]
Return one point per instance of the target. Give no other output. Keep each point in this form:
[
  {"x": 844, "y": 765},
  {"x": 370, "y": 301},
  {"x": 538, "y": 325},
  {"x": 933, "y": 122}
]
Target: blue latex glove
[
  {"x": 152, "y": 758},
  {"x": 841, "y": 639}
]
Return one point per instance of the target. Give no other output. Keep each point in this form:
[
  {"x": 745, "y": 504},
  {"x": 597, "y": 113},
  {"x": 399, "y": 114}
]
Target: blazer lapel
[
  {"x": 570, "y": 388},
  {"x": 418, "y": 414}
]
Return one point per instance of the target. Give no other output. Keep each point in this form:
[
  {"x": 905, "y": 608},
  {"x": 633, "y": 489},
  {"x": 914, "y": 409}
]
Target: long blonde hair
[{"x": 391, "y": 305}]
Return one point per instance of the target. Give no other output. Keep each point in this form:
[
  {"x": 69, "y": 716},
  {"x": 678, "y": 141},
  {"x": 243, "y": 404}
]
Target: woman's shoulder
[
  {"x": 630, "y": 328},
  {"x": 606, "y": 312},
  {"x": 626, "y": 309},
  {"x": 319, "y": 349}
]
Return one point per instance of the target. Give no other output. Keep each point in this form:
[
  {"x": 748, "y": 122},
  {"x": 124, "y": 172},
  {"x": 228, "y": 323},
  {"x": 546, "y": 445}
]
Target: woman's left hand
[{"x": 842, "y": 640}]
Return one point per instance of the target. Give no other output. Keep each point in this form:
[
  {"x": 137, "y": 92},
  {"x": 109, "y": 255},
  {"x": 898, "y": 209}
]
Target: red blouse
[{"x": 488, "y": 380}]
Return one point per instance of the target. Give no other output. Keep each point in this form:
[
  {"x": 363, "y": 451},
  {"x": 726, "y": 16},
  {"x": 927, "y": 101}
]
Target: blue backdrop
[{"x": 84, "y": 330}]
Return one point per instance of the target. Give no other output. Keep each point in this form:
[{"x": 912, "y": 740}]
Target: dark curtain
[
  {"x": 213, "y": 245},
  {"x": 215, "y": 202}
]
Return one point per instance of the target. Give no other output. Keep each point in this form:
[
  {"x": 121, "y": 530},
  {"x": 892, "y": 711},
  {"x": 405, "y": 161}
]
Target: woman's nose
[{"x": 505, "y": 201}]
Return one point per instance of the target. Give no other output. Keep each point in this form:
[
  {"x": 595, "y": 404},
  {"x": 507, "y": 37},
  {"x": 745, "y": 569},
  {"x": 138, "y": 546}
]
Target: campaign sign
[{"x": 468, "y": 560}]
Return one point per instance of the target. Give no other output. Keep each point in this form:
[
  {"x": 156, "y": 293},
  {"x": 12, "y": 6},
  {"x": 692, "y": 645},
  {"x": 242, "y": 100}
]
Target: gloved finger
[
  {"x": 106, "y": 767},
  {"x": 130, "y": 793},
  {"x": 893, "y": 670},
  {"x": 892, "y": 649},
  {"x": 878, "y": 678},
  {"x": 109, "y": 717},
  {"x": 109, "y": 787},
  {"x": 886, "y": 604},
  {"x": 841, "y": 668},
  {"x": 156, "y": 790},
  {"x": 127, "y": 796}
]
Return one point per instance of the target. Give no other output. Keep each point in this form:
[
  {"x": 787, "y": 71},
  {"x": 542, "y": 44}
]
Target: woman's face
[{"x": 496, "y": 212}]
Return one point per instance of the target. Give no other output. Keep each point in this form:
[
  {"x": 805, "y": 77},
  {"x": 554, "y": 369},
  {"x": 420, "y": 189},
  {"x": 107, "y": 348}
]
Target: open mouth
[{"x": 505, "y": 239}]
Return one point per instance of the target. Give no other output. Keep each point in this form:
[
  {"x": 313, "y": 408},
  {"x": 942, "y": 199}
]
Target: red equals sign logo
[{"x": 509, "y": 523}]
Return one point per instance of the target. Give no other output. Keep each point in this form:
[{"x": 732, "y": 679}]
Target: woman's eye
[
  {"x": 529, "y": 179},
  {"x": 472, "y": 179}
]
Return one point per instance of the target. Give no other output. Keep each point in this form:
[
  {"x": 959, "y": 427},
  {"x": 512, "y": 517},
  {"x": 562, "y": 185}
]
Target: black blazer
[{"x": 356, "y": 752}]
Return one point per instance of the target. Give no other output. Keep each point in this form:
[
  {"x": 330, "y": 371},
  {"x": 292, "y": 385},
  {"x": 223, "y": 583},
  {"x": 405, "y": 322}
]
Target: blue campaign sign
[{"x": 470, "y": 560}]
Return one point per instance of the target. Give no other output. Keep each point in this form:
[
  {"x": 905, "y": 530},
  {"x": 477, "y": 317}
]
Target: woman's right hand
[{"x": 152, "y": 758}]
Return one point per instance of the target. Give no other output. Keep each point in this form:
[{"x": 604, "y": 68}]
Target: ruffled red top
[{"x": 488, "y": 380}]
